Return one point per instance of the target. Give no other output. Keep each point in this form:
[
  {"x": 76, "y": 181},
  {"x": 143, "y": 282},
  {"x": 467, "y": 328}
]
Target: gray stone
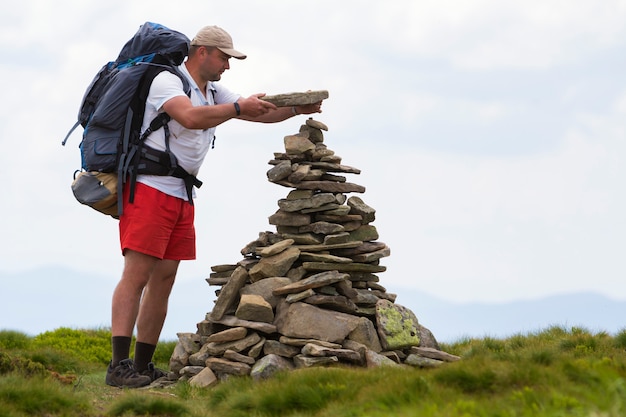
[
  {"x": 200, "y": 357},
  {"x": 422, "y": 362},
  {"x": 351, "y": 226},
  {"x": 325, "y": 207},
  {"x": 320, "y": 153},
  {"x": 374, "y": 360},
  {"x": 372, "y": 256},
  {"x": 332, "y": 167},
  {"x": 276, "y": 265},
  {"x": 376, "y": 286},
  {"x": 304, "y": 321},
  {"x": 190, "y": 371},
  {"x": 301, "y": 342},
  {"x": 218, "y": 349},
  {"x": 224, "y": 366},
  {"x": 238, "y": 357},
  {"x": 228, "y": 335},
  {"x": 345, "y": 288},
  {"x": 434, "y": 354},
  {"x": 317, "y": 200},
  {"x": 359, "y": 207},
  {"x": 339, "y": 211},
  {"x": 299, "y": 296},
  {"x": 179, "y": 358},
  {"x": 357, "y": 347},
  {"x": 265, "y": 287},
  {"x": 365, "y": 333},
  {"x": 364, "y": 247},
  {"x": 268, "y": 365},
  {"x": 233, "y": 321},
  {"x": 333, "y": 302},
  {"x": 297, "y": 98},
  {"x": 316, "y": 124},
  {"x": 224, "y": 268},
  {"x": 229, "y": 293},
  {"x": 315, "y": 135},
  {"x": 303, "y": 361},
  {"x": 397, "y": 326},
  {"x": 336, "y": 218},
  {"x": 296, "y": 274},
  {"x": 203, "y": 379},
  {"x": 351, "y": 267},
  {"x": 191, "y": 342},
  {"x": 254, "y": 307},
  {"x": 279, "y": 172},
  {"x": 385, "y": 295},
  {"x": 295, "y": 144},
  {"x": 427, "y": 339},
  {"x": 326, "y": 186},
  {"x": 300, "y": 173},
  {"x": 324, "y": 228},
  {"x": 365, "y": 297},
  {"x": 283, "y": 218},
  {"x": 276, "y": 248},
  {"x": 314, "y": 175},
  {"x": 265, "y": 239},
  {"x": 257, "y": 348},
  {"x": 303, "y": 238},
  {"x": 298, "y": 194},
  {"x": 364, "y": 233},
  {"x": 312, "y": 349},
  {"x": 333, "y": 159},
  {"x": 314, "y": 281},
  {"x": 324, "y": 247},
  {"x": 277, "y": 348},
  {"x": 322, "y": 257},
  {"x": 342, "y": 237},
  {"x": 218, "y": 281}
]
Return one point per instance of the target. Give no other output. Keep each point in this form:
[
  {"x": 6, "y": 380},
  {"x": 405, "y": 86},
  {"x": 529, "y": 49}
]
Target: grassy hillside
[{"x": 555, "y": 372}]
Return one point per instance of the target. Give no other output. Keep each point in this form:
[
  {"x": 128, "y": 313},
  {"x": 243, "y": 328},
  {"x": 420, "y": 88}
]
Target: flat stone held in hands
[{"x": 296, "y": 99}]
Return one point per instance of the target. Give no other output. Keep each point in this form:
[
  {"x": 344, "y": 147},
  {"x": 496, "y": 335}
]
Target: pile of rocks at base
[{"x": 307, "y": 294}]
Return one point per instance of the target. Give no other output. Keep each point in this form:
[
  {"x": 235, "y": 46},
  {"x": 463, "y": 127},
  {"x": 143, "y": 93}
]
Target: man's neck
[{"x": 199, "y": 81}]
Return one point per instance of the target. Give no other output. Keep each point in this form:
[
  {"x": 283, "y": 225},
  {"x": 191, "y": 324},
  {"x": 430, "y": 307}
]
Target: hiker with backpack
[{"x": 157, "y": 228}]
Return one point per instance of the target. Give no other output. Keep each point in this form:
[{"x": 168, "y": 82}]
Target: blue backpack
[{"x": 111, "y": 114}]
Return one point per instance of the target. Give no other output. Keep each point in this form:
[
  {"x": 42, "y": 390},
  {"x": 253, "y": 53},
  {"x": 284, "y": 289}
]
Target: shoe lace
[
  {"x": 126, "y": 369},
  {"x": 154, "y": 371}
]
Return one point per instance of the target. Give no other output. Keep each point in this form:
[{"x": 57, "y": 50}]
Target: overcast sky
[{"x": 490, "y": 135}]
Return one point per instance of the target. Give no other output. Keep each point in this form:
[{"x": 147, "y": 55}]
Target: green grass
[{"x": 554, "y": 372}]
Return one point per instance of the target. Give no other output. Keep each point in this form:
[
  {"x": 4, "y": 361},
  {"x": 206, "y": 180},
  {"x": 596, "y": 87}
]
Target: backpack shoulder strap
[{"x": 132, "y": 146}]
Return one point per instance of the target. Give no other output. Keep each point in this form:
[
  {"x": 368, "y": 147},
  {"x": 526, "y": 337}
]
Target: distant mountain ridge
[
  {"x": 450, "y": 321},
  {"x": 44, "y": 299}
]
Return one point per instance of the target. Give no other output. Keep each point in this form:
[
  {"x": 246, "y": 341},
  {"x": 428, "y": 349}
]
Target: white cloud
[{"x": 487, "y": 34}]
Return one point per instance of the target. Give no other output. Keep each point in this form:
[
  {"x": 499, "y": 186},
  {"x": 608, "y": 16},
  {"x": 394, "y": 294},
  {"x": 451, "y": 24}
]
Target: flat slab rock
[{"x": 296, "y": 99}]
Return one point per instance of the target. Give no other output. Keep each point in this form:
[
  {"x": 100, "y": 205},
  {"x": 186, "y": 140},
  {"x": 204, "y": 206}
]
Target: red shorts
[{"x": 158, "y": 225}]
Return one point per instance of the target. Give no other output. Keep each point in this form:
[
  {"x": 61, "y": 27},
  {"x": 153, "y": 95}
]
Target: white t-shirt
[{"x": 189, "y": 145}]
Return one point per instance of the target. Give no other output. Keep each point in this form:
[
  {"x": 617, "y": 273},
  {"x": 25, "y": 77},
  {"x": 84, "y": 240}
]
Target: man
[{"x": 157, "y": 230}]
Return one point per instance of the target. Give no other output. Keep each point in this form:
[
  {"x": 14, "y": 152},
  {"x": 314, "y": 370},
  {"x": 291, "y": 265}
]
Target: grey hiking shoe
[
  {"x": 124, "y": 375},
  {"x": 153, "y": 372}
]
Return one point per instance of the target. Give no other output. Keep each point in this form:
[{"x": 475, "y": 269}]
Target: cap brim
[{"x": 232, "y": 52}]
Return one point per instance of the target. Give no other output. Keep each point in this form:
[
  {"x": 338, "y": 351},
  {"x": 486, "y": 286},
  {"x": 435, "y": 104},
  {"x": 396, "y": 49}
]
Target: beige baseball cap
[{"x": 217, "y": 37}]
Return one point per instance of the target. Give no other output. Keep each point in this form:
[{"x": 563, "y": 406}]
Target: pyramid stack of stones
[{"x": 307, "y": 294}]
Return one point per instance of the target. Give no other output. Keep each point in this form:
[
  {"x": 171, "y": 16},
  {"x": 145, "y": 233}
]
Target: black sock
[
  {"x": 121, "y": 349},
  {"x": 143, "y": 355}
]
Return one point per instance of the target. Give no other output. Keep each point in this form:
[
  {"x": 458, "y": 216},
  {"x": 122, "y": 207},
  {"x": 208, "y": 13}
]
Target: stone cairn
[{"x": 307, "y": 294}]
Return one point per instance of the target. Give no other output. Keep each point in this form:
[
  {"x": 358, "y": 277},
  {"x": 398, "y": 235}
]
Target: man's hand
[
  {"x": 254, "y": 107},
  {"x": 309, "y": 108}
]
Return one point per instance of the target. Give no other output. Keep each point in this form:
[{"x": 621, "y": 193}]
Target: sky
[{"x": 489, "y": 135}]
